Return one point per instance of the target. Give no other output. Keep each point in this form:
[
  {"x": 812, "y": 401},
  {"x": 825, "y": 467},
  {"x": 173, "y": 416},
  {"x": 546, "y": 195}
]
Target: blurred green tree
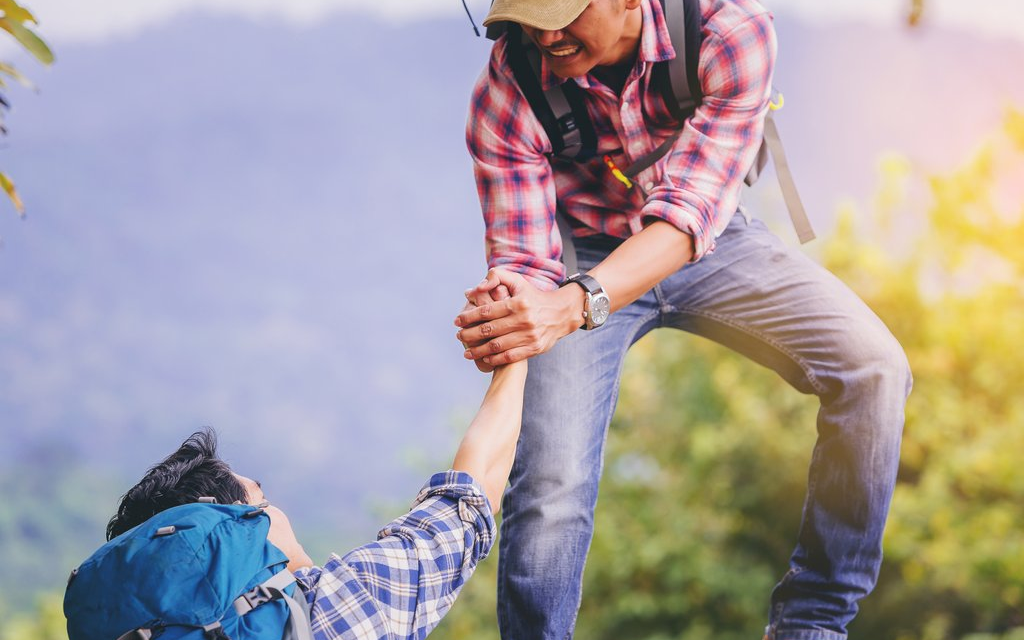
[
  {"x": 18, "y": 22},
  {"x": 45, "y": 623}
]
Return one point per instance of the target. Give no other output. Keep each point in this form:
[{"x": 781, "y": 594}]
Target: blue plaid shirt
[{"x": 403, "y": 584}]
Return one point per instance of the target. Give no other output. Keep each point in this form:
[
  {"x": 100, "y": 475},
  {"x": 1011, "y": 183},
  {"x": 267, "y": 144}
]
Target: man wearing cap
[{"x": 670, "y": 252}]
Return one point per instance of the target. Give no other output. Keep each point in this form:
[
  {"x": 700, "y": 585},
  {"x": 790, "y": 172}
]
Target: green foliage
[
  {"x": 17, "y": 21},
  {"x": 45, "y": 623},
  {"x": 52, "y": 517},
  {"x": 706, "y": 461},
  {"x": 707, "y": 456}
]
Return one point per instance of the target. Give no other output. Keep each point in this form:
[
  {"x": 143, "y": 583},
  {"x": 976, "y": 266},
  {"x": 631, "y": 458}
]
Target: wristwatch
[{"x": 597, "y": 305}]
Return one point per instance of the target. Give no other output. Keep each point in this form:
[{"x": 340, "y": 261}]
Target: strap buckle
[{"x": 254, "y": 598}]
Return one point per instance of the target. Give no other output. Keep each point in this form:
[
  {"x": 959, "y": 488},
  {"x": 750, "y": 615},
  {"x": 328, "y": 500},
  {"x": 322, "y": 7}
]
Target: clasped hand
[{"x": 507, "y": 319}]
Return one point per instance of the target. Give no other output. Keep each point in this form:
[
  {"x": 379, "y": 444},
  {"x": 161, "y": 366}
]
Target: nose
[{"x": 547, "y": 38}]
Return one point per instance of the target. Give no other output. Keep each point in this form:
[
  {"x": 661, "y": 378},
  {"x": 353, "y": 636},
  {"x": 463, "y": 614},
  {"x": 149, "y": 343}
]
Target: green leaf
[
  {"x": 14, "y": 73},
  {"x": 16, "y": 12},
  {"x": 12, "y": 193},
  {"x": 33, "y": 43}
]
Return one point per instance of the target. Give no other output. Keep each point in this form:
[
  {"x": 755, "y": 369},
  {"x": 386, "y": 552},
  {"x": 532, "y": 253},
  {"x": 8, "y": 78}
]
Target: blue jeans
[{"x": 769, "y": 302}]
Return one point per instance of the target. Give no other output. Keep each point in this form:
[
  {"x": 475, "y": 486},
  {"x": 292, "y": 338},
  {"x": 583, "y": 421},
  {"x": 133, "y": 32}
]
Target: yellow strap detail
[{"x": 621, "y": 177}]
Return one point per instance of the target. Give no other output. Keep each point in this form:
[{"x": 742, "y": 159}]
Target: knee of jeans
[
  {"x": 550, "y": 478},
  {"x": 874, "y": 366},
  {"x": 555, "y": 484}
]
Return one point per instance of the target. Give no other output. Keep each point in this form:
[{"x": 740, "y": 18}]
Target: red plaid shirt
[{"x": 694, "y": 187}]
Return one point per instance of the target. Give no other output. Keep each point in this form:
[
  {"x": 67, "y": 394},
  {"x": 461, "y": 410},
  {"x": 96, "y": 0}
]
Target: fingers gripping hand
[
  {"x": 488, "y": 291},
  {"x": 513, "y": 329}
]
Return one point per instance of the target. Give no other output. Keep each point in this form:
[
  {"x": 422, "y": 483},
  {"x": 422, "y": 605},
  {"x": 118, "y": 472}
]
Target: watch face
[{"x": 600, "y": 307}]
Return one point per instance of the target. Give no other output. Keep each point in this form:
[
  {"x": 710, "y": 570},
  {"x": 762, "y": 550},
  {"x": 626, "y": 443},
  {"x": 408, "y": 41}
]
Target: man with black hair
[{"x": 399, "y": 586}]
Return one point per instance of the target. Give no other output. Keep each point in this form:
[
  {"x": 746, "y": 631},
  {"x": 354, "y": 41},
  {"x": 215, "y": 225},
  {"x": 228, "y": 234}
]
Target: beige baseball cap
[{"x": 549, "y": 15}]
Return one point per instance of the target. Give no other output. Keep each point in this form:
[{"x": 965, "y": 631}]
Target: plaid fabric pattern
[
  {"x": 695, "y": 187},
  {"x": 403, "y": 584}
]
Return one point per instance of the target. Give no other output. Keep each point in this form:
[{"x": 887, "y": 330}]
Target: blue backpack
[{"x": 193, "y": 572}]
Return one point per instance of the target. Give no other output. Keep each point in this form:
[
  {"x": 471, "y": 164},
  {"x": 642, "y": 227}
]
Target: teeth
[{"x": 559, "y": 53}]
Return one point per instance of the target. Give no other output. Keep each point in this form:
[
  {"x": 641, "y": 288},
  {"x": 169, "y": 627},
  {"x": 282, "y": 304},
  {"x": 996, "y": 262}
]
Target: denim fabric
[{"x": 769, "y": 302}]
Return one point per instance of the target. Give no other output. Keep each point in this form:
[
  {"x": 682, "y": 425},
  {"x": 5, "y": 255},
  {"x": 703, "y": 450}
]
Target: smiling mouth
[{"x": 563, "y": 52}]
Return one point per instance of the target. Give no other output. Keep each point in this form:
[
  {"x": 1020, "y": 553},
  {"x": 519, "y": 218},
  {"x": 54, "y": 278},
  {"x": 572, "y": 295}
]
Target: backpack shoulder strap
[
  {"x": 273, "y": 588},
  {"x": 677, "y": 79},
  {"x": 797, "y": 213},
  {"x": 561, "y": 110}
]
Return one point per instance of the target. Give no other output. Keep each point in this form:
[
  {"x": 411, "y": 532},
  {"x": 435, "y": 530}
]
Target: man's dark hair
[{"x": 192, "y": 472}]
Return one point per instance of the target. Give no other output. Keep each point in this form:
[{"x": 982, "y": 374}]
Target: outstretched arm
[{"x": 489, "y": 446}]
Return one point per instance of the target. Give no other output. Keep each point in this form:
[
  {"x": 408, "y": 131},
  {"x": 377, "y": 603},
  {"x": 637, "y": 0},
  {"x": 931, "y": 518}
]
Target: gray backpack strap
[
  {"x": 568, "y": 247},
  {"x": 560, "y": 110},
  {"x": 263, "y": 592},
  {"x": 273, "y": 589},
  {"x": 797, "y": 213},
  {"x": 137, "y": 634},
  {"x": 645, "y": 161},
  {"x": 684, "y": 29},
  {"x": 298, "y": 623}
]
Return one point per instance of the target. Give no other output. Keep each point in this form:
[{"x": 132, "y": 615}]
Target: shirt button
[{"x": 649, "y": 186}]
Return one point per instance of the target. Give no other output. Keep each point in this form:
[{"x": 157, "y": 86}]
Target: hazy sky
[{"x": 66, "y": 21}]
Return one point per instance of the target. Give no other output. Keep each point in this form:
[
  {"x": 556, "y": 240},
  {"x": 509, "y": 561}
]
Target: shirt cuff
[
  {"x": 451, "y": 483},
  {"x": 473, "y": 506},
  {"x": 681, "y": 217}
]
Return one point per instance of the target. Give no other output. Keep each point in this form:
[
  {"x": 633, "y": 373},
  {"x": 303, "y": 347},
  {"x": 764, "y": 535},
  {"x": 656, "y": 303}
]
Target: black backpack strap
[
  {"x": 560, "y": 110},
  {"x": 677, "y": 79}
]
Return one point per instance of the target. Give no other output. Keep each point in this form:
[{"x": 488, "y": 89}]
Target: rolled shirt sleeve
[
  {"x": 403, "y": 584},
  {"x": 702, "y": 175},
  {"x": 514, "y": 178}
]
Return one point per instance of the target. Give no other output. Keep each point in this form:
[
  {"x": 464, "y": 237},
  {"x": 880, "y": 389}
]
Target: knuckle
[
  {"x": 495, "y": 346},
  {"x": 486, "y": 329}
]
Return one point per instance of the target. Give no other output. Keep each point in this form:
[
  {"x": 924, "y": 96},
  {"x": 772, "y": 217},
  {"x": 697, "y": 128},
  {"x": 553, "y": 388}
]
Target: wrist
[{"x": 572, "y": 301}]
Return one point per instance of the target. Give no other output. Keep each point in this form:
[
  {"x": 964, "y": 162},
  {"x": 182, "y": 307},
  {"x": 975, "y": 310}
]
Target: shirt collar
[{"x": 655, "y": 45}]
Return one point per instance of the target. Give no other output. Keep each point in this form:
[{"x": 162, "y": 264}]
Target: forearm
[
  {"x": 643, "y": 261},
  {"x": 630, "y": 271},
  {"x": 489, "y": 446},
  {"x": 532, "y": 321}
]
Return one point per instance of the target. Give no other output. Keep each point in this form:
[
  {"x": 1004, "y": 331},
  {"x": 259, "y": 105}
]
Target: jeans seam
[
  {"x": 612, "y": 400},
  {"x": 811, "y": 482},
  {"x": 778, "y": 609},
  {"x": 808, "y": 372}
]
